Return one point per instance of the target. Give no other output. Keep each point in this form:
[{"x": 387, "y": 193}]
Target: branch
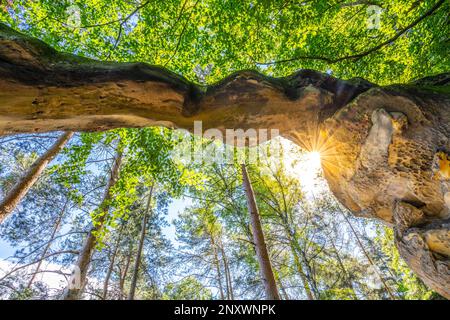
[
  {"x": 360, "y": 55},
  {"x": 34, "y": 262},
  {"x": 119, "y": 35},
  {"x": 121, "y": 20},
  {"x": 182, "y": 34},
  {"x": 358, "y": 3}
]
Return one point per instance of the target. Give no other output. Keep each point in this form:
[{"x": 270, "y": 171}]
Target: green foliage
[
  {"x": 409, "y": 286},
  {"x": 338, "y": 294},
  {"x": 24, "y": 294},
  {"x": 70, "y": 171},
  {"x": 187, "y": 289},
  {"x": 207, "y": 40}
]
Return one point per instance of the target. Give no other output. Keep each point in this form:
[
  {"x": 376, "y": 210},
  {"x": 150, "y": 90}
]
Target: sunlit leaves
[
  {"x": 409, "y": 286},
  {"x": 231, "y": 35}
]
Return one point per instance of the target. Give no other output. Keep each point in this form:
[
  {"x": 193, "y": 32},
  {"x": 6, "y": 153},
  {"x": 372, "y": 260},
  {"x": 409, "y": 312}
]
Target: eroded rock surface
[{"x": 379, "y": 163}]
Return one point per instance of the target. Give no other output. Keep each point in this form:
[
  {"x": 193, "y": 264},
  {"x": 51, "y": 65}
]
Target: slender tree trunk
[
  {"x": 348, "y": 280},
  {"x": 217, "y": 265},
  {"x": 111, "y": 264},
  {"x": 20, "y": 189},
  {"x": 270, "y": 285},
  {"x": 84, "y": 258},
  {"x": 227, "y": 275},
  {"x": 36, "y": 80},
  {"x": 300, "y": 262},
  {"x": 49, "y": 244},
  {"x": 226, "y": 265},
  {"x": 372, "y": 263},
  {"x": 302, "y": 273},
  {"x": 308, "y": 272},
  {"x": 125, "y": 272},
  {"x": 141, "y": 246},
  {"x": 283, "y": 290}
]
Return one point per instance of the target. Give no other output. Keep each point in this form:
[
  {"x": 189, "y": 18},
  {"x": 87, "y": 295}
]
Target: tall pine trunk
[
  {"x": 84, "y": 258},
  {"x": 217, "y": 265},
  {"x": 303, "y": 265},
  {"x": 141, "y": 246},
  {"x": 300, "y": 262},
  {"x": 20, "y": 189},
  {"x": 268, "y": 278},
  {"x": 366, "y": 254},
  {"x": 303, "y": 276},
  {"x": 348, "y": 280},
  {"x": 111, "y": 263},
  {"x": 124, "y": 274},
  {"x": 230, "y": 293},
  {"x": 283, "y": 289}
]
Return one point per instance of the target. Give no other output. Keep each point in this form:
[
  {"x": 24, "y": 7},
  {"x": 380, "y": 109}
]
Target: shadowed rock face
[
  {"x": 379, "y": 164},
  {"x": 378, "y": 144}
]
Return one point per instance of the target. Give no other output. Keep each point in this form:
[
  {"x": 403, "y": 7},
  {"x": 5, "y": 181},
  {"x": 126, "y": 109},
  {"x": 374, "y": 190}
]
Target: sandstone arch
[{"x": 377, "y": 142}]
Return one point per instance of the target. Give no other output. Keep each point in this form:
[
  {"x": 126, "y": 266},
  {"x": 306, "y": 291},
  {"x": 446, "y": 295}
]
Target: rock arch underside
[{"x": 378, "y": 144}]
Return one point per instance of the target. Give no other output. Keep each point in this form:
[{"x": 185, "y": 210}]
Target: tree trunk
[
  {"x": 283, "y": 290},
  {"x": 123, "y": 276},
  {"x": 265, "y": 266},
  {"x": 308, "y": 272},
  {"x": 140, "y": 248},
  {"x": 20, "y": 189},
  {"x": 49, "y": 244},
  {"x": 366, "y": 254},
  {"x": 230, "y": 293},
  {"x": 217, "y": 265},
  {"x": 111, "y": 263},
  {"x": 84, "y": 258},
  {"x": 302, "y": 274},
  {"x": 348, "y": 280},
  {"x": 43, "y": 90}
]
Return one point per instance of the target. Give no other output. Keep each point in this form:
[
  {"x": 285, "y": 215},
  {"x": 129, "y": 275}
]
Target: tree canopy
[{"x": 206, "y": 41}]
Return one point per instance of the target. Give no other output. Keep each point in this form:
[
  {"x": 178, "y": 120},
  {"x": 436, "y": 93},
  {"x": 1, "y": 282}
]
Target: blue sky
[
  {"x": 5, "y": 250},
  {"x": 308, "y": 178},
  {"x": 177, "y": 206}
]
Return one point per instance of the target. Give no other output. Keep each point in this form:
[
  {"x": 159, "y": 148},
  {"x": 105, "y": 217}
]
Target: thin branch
[
  {"x": 182, "y": 34},
  {"x": 34, "y": 262},
  {"x": 358, "y": 56},
  {"x": 358, "y": 3},
  {"x": 121, "y": 20}
]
